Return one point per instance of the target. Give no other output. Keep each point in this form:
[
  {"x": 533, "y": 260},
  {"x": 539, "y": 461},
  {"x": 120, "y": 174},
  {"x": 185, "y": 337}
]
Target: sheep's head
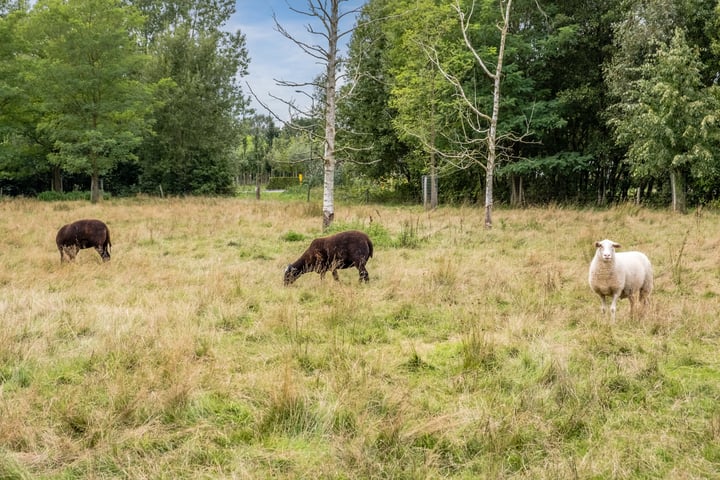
[
  {"x": 291, "y": 274},
  {"x": 606, "y": 249}
]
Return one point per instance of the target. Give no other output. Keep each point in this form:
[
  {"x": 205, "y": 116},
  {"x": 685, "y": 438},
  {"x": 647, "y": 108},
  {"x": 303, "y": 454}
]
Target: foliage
[
  {"x": 90, "y": 86},
  {"x": 562, "y": 75},
  {"x": 53, "y": 196},
  {"x": 85, "y": 73},
  {"x": 365, "y": 116},
  {"x": 665, "y": 121},
  {"x": 279, "y": 183},
  {"x": 257, "y": 147},
  {"x": 577, "y": 78},
  {"x": 293, "y": 236},
  {"x": 424, "y": 101},
  {"x": 193, "y": 149}
]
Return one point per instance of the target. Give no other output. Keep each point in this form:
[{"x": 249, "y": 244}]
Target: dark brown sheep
[
  {"x": 342, "y": 250},
  {"x": 73, "y": 237}
]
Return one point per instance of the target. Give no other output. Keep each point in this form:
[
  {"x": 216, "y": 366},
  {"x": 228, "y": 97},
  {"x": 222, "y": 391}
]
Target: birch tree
[
  {"x": 476, "y": 140},
  {"x": 483, "y": 124},
  {"x": 325, "y": 52}
]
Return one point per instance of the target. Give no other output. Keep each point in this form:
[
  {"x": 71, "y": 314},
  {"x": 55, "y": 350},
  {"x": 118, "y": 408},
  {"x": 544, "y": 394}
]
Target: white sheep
[{"x": 620, "y": 275}]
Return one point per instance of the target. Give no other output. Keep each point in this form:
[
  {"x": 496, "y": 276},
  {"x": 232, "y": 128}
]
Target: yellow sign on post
[{"x": 300, "y": 177}]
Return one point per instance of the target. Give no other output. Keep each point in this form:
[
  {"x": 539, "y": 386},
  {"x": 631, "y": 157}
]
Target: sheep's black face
[{"x": 291, "y": 274}]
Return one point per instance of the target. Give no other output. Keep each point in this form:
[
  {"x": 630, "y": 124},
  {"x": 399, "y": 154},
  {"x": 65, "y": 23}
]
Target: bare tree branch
[
  {"x": 481, "y": 144},
  {"x": 328, "y": 14}
]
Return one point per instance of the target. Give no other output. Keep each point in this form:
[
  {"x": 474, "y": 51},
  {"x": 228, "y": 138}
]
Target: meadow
[{"x": 470, "y": 354}]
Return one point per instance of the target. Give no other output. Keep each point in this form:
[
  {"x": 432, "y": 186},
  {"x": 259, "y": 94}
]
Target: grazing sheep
[
  {"x": 342, "y": 250},
  {"x": 73, "y": 237},
  {"x": 620, "y": 275}
]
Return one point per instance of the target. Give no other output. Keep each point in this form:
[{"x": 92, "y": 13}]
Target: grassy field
[{"x": 472, "y": 353}]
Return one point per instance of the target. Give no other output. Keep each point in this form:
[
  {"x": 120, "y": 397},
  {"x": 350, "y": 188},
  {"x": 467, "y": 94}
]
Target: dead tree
[{"x": 329, "y": 16}]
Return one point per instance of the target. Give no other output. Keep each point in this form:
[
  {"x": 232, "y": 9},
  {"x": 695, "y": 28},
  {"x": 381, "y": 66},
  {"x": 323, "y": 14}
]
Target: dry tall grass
[{"x": 471, "y": 353}]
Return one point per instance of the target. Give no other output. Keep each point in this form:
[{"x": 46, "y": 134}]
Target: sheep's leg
[
  {"x": 644, "y": 297},
  {"x": 613, "y": 306},
  {"x": 335, "y": 275},
  {"x": 644, "y": 300},
  {"x": 633, "y": 305},
  {"x": 103, "y": 253},
  {"x": 364, "y": 276},
  {"x": 71, "y": 252}
]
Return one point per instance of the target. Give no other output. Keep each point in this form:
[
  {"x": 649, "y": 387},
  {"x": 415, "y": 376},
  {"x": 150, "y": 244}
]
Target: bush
[
  {"x": 377, "y": 232},
  {"x": 281, "y": 183},
  {"x": 293, "y": 236},
  {"x": 51, "y": 196}
]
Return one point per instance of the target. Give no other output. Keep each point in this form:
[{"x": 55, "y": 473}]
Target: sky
[{"x": 274, "y": 57}]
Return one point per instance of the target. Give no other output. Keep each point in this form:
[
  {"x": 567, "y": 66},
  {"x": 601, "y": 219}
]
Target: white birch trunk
[
  {"x": 330, "y": 85},
  {"x": 492, "y": 134}
]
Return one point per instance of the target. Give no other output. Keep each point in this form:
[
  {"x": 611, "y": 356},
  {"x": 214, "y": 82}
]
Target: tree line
[
  {"x": 601, "y": 101},
  {"x": 143, "y": 95},
  {"x": 598, "y": 101}
]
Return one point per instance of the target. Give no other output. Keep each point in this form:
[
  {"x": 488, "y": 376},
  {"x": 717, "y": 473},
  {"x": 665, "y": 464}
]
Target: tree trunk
[
  {"x": 330, "y": 85},
  {"x": 57, "y": 183},
  {"x": 328, "y": 13},
  {"x": 328, "y": 195},
  {"x": 432, "y": 187},
  {"x": 95, "y": 194},
  {"x": 94, "y": 180},
  {"x": 433, "y": 161},
  {"x": 677, "y": 188},
  {"x": 489, "y": 192},
  {"x": 517, "y": 194},
  {"x": 492, "y": 134}
]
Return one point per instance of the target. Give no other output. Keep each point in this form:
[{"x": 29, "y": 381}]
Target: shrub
[
  {"x": 74, "y": 195},
  {"x": 377, "y": 232},
  {"x": 281, "y": 183},
  {"x": 293, "y": 236}
]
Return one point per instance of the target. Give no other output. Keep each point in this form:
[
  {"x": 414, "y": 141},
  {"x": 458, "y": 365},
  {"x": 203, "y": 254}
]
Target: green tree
[
  {"x": 197, "y": 131},
  {"x": 24, "y": 151},
  {"x": 365, "y": 116},
  {"x": 484, "y": 123},
  {"x": 9, "y": 6},
  {"x": 668, "y": 117},
  {"x": 561, "y": 49},
  {"x": 256, "y": 146},
  {"x": 86, "y": 76},
  {"x": 423, "y": 105},
  {"x": 328, "y": 16},
  {"x": 447, "y": 88}
]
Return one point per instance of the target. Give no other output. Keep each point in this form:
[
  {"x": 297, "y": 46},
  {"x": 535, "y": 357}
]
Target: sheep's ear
[
  {"x": 617, "y": 245},
  {"x": 597, "y": 244}
]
